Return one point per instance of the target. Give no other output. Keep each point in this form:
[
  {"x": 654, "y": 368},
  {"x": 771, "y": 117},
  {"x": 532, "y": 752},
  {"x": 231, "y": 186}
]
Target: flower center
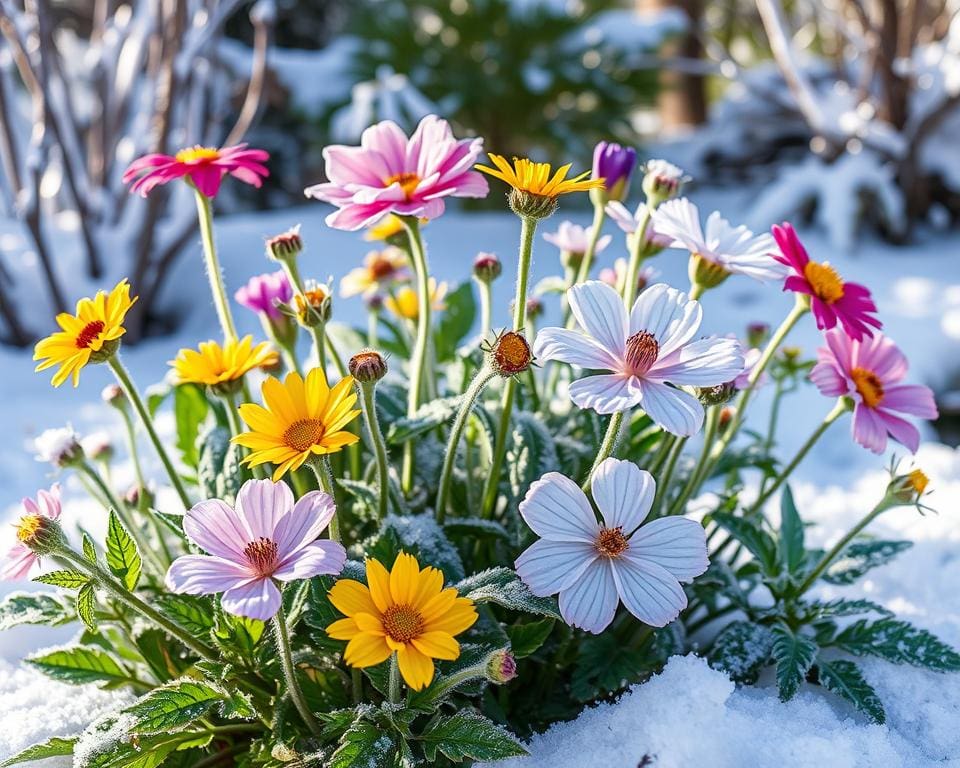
[
  {"x": 824, "y": 280},
  {"x": 611, "y": 542},
  {"x": 262, "y": 555},
  {"x": 918, "y": 481},
  {"x": 381, "y": 268},
  {"x": 314, "y": 298},
  {"x": 868, "y": 385},
  {"x": 642, "y": 351},
  {"x": 303, "y": 434},
  {"x": 402, "y": 622},
  {"x": 89, "y": 333},
  {"x": 28, "y": 527},
  {"x": 197, "y": 155},
  {"x": 408, "y": 182},
  {"x": 512, "y": 353}
]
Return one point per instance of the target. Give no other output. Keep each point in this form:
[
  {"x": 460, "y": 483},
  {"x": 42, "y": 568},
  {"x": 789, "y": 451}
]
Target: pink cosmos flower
[
  {"x": 266, "y": 538},
  {"x": 572, "y": 238},
  {"x": 390, "y": 173},
  {"x": 832, "y": 300},
  {"x": 870, "y": 371},
  {"x": 630, "y": 223},
  {"x": 263, "y": 292},
  {"x": 594, "y": 565},
  {"x": 648, "y": 353},
  {"x": 204, "y": 166},
  {"x": 750, "y": 359},
  {"x": 616, "y": 276},
  {"x": 20, "y": 559}
]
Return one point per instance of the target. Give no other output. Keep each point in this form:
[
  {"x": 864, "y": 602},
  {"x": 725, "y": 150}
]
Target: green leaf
[
  {"x": 190, "y": 408},
  {"x": 844, "y": 678},
  {"x": 604, "y": 665},
  {"x": 194, "y": 614},
  {"x": 469, "y": 735},
  {"x": 219, "y": 472},
  {"x": 364, "y": 745},
  {"x": 428, "y": 416},
  {"x": 55, "y": 747},
  {"x": 89, "y": 548},
  {"x": 123, "y": 559},
  {"x": 791, "y": 546},
  {"x": 532, "y": 452},
  {"x": 456, "y": 321},
  {"x": 34, "y": 608},
  {"x": 503, "y": 587},
  {"x": 165, "y": 663},
  {"x": 79, "y": 664},
  {"x": 859, "y": 557},
  {"x": 86, "y": 605},
  {"x": 749, "y": 533},
  {"x": 107, "y": 743},
  {"x": 741, "y": 650},
  {"x": 65, "y": 579},
  {"x": 155, "y": 395},
  {"x": 476, "y": 528},
  {"x": 421, "y": 536},
  {"x": 526, "y": 638},
  {"x": 794, "y": 655},
  {"x": 899, "y": 642},
  {"x": 173, "y": 706},
  {"x": 843, "y": 607}
]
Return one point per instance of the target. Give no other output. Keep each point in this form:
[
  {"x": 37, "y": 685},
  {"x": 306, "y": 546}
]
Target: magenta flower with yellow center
[{"x": 205, "y": 168}]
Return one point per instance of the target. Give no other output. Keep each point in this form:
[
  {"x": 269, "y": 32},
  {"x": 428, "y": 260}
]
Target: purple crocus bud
[
  {"x": 262, "y": 293},
  {"x": 614, "y": 164}
]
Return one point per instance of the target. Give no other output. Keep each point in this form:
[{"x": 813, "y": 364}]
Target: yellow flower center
[
  {"x": 611, "y": 542},
  {"x": 303, "y": 434},
  {"x": 197, "y": 155},
  {"x": 918, "y": 481},
  {"x": 869, "y": 386},
  {"x": 407, "y": 181},
  {"x": 314, "y": 298},
  {"x": 89, "y": 333},
  {"x": 262, "y": 555},
  {"x": 28, "y": 527},
  {"x": 403, "y": 623},
  {"x": 642, "y": 351},
  {"x": 824, "y": 280}
]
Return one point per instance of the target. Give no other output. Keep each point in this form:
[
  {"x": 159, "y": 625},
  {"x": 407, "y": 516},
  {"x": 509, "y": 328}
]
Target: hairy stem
[
  {"x": 369, "y": 404},
  {"x": 290, "y": 673},
  {"x": 214, "y": 273}
]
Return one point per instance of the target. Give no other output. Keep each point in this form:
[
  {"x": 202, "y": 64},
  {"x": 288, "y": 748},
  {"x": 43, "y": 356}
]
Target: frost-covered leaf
[
  {"x": 86, "y": 603},
  {"x": 844, "y": 607},
  {"x": 364, "y": 745},
  {"x": 791, "y": 535},
  {"x": 123, "y": 559},
  {"x": 794, "y": 654},
  {"x": 899, "y": 642},
  {"x": 79, "y": 664},
  {"x": 469, "y": 735},
  {"x": 65, "y": 579},
  {"x": 172, "y": 706},
  {"x": 428, "y": 416},
  {"x": 605, "y": 665},
  {"x": 527, "y": 637},
  {"x": 748, "y": 532},
  {"x": 859, "y": 557},
  {"x": 421, "y": 536},
  {"x": 194, "y": 614},
  {"x": 108, "y": 743},
  {"x": 531, "y": 453},
  {"x": 55, "y": 747},
  {"x": 366, "y": 497},
  {"x": 456, "y": 321},
  {"x": 741, "y": 649},
  {"x": 34, "y": 608},
  {"x": 476, "y": 528},
  {"x": 218, "y": 471},
  {"x": 844, "y": 678},
  {"x": 503, "y": 587},
  {"x": 190, "y": 408}
]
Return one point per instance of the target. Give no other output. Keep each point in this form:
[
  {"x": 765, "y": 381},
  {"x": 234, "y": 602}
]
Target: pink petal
[
  {"x": 320, "y": 557},
  {"x": 207, "y": 178},
  {"x": 914, "y": 399},
  {"x": 259, "y": 599},
  {"x": 868, "y": 429},
  {"x": 260, "y": 506},
  {"x": 828, "y": 379},
  {"x": 623, "y": 493},
  {"x": 591, "y": 602},
  {"x": 901, "y": 430},
  {"x": 17, "y": 563},
  {"x": 204, "y": 575},
  {"x": 304, "y": 523},
  {"x": 216, "y": 528}
]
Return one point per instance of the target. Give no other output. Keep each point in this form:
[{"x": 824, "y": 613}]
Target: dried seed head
[
  {"x": 510, "y": 354},
  {"x": 367, "y": 366}
]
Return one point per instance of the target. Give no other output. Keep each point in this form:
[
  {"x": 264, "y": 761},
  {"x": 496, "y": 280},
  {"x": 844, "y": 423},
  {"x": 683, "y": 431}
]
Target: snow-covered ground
[{"x": 689, "y": 715}]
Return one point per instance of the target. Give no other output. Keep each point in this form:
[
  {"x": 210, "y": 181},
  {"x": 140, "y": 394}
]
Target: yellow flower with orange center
[
  {"x": 214, "y": 364},
  {"x": 380, "y": 269},
  {"x": 302, "y": 418},
  {"x": 404, "y": 302},
  {"x": 406, "y": 611},
  {"x": 539, "y": 178},
  {"x": 90, "y": 335}
]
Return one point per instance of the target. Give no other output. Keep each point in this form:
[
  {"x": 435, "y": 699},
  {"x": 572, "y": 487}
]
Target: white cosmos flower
[
  {"x": 573, "y": 238},
  {"x": 595, "y": 565},
  {"x": 630, "y": 223},
  {"x": 645, "y": 352},
  {"x": 735, "y": 249}
]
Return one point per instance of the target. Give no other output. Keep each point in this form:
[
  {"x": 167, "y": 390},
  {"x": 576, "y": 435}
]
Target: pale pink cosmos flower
[
  {"x": 265, "y": 539},
  {"x": 596, "y": 565},
  {"x": 572, "y": 238},
  {"x": 750, "y": 359},
  {"x": 648, "y": 353},
  {"x": 630, "y": 223},
  {"x": 205, "y": 167},
  {"x": 870, "y": 372},
  {"x": 390, "y": 173},
  {"x": 20, "y": 559},
  {"x": 263, "y": 293},
  {"x": 616, "y": 276}
]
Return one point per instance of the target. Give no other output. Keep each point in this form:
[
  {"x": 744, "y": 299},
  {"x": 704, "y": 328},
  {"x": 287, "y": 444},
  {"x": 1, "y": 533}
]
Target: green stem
[
  {"x": 476, "y": 387},
  {"x": 694, "y": 481},
  {"x": 290, "y": 673},
  {"x": 607, "y": 447},
  {"x": 486, "y": 308},
  {"x": 637, "y": 247},
  {"x": 214, "y": 273},
  {"x": 696, "y": 291},
  {"x": 528, "y": 228},
  {"x": 369, "y": 404},
  {"x": 418, "y": 359},
  {"x": 394, "y": 689},
  {"x": 599, "y": 216},
  {"x": 663, "y": 484},
  {"x": 321, "y": 469}
]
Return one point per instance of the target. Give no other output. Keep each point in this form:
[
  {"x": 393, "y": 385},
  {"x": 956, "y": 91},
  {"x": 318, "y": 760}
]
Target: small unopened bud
[
  {"x": 716, "y": 395},
  {"x": 501, "y": 666},
  {"x": 60, "y": 447},
  {"x": 705, "y": 273},
  {"x": 487, "y": 267},
  {"x": 367, "y": 366},
  {"x": 98, "y": 446},
  {"x": 571, "y": 259},
  {"x": 661, "y": 181},
  {"x": 757, "y": 334},
  {"x": 726, "y": 416},
  {"x": 313, "y": 307},
  {"x": 113, "y": 394},
  {"x": 510, "y": 354},
  {"x": 286, "y": 245},
  {"x": 531, "y": 206},
  {"x": 41, "y": 534},
  {"x": 132, "y": 496},
  {"x": 791, "y": 355},
  {"x": 374, "y": 302},
  {"x": 908, "y": 488},
  {"x": 534, "y": 308}
]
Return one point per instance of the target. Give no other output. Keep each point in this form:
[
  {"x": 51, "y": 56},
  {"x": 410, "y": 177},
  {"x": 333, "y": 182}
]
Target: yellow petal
[
  {"x": 366, "y": 650},
  {"x": 343, "y": 629},
  {"x": 417, "y": 669},
  {"x": 379, "y": 582},
  {"x": 431, "y": 583},
  {"x": 456, "y": 620},
  {"x": 369, "y": 622},
  {"x": 404, "y": 578},
  {"x": 351, "y": 597},
  {"x": 437, "y": 645}
]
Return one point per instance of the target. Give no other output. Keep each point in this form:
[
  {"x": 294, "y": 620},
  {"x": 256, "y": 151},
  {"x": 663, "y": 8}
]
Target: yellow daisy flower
[
  {"x": 379, "y": 268},
  {"x": 301, "y": 419},
  {"x": 406, "y": 611},
  {"x": 538, "y": 178},
  {"x": 213, "y": 364},
  {"x": 388, "y": 228},
  {"x": 404, "y": 302},
  {"x": 91, "y": 335}
]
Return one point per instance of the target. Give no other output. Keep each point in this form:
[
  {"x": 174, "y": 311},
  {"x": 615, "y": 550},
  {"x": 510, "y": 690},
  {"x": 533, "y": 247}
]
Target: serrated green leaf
[
  {"x": 65, "y": 579},
  {"x": 531, "y": 454},
  {"x": 749, "y": 533},
  {"x": 604, "y": 665},
  {"x": 165, "y": 663},
  {"x": 469, "y": 735},
  {"x": 527, "y": 637},
  {"x": 503, "y": 587},
  {"x": 459, "y": 313},
  {"x": 844, "y": 607},
  {"x": 34, "y": 608},
  {"x": 363, "y": 745},
  {"x": 86, "y": 605},
  {"x": 123, "y": 559},
  {"x": 194, "y": 614},
  {"x": 428, "y": 416},
  {"x": 844, "y": 678},
  {"x": 791, "y": 544},
  {"x": 741, "y": 649},
  {"x": 106, "y": 743},
  {"x": 859, "y": 557},
  {"x": 173, "y": 706},
  {"x": 794, "y": 655},
  {"x": 476, "y": 528},
  {"x": 899, "y": 642},
  {"x": 79, "y": 664},
  {"x": 89, "y": 548},
  {"x": 190, "y": 408},
  {"x": 55, "y": 747}
]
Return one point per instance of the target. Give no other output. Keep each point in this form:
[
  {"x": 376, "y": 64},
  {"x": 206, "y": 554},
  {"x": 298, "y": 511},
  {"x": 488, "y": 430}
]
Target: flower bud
[
  {"x": 530, "y": 205},
  {"x": 716, "y": 395},
  {"x": 367, "y": 366},
  {"x": 501, "y": 666},
  {"x": 614, "y": 164},
  {"x": 534, "y": 308},
  {"x": 908, "y": 488},
  {"x": 41, "y": 534},
  {"x": 98, "y": 446},
  {"x": 113, "y": 394},
  {"x": 726, "y": 416},
  {"x": 757, "y": 334},
  {"x": 571, "y": 259},
  {"x": 705, "y": 273},
  {"x": 487, "y": 267},
  {"x": 132, "y": 496},
  {"x": 314, "y": 306},
  {"x": 661, "y": 181},
  {"x": 60, "y": 447},
  {"x": 510, "y": 354},
  {"x": 286, "y": 245},
  {"x": 374, "y": 302}
]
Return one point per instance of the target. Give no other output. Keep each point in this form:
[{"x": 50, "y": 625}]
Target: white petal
[
  {"x": 600, "y": 311},
  {"x": 591, "y": 602},
  {"x": 680, "y": 220},
  {"x": 676, "y": 544},
  {"x": 668, "y": 314},
  {"x": 648, "y": 591},
  {"x": 260, "y": 599},
  {"x": 678, "y": 412},
  {"x": 606, "y": 393},
  {"x": 261, "y": 504},
  {"x": 204, "y": 575},
  {"x": 556, "y": 509},
  {"x": 701, "y": 363},
  {"x": 572, "y": 347},
  {"x": 320, "y": 557},
  {"x": 623, "y": 493},
  {"x": 548, "y": 567}
]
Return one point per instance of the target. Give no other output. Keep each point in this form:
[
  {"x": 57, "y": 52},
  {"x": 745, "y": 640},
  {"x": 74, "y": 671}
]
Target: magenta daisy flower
[
  {"x": 390, "y": 173},
  {"x": 870, "y": 372},
  {"x": 265, "y": 539},
  {"x": 20, "y": 559},
  {"x": 263, "y": 293},
  {"x": 832, "y": 300},
  {"x": 204, "y": 166}
]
